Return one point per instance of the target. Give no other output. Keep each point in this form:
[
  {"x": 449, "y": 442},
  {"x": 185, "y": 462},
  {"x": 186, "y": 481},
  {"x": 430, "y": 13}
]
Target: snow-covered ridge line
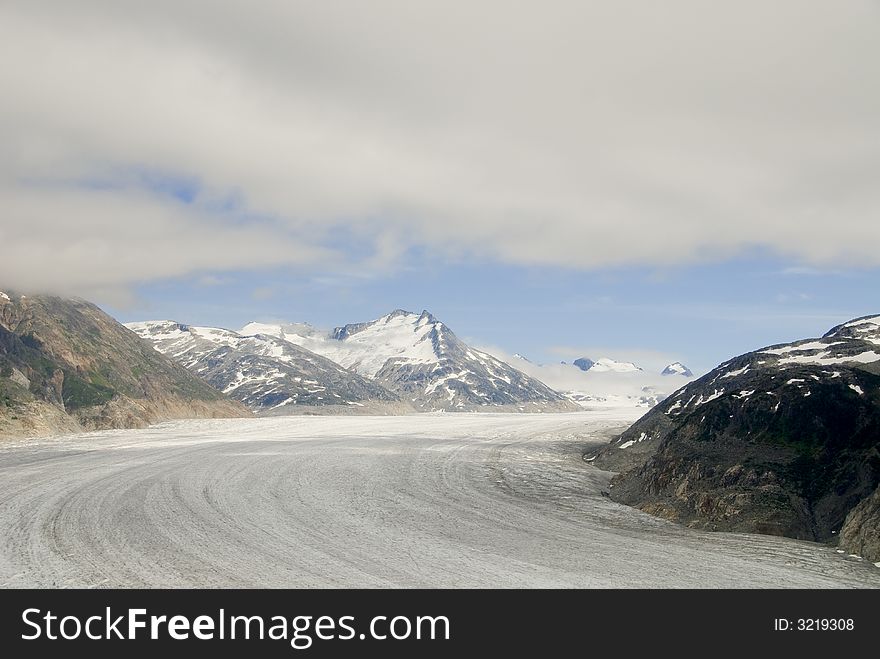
[
  {"x": 807, "y": 346},
  {"x": 843, "y": 346},
  {"x": 606, "y": 364},
  {"x": 413, "y": 357},
  {"x": 827, "y": 359},
  {"x": 264, "y": 372},
  {"x": 365, "y": 347}
]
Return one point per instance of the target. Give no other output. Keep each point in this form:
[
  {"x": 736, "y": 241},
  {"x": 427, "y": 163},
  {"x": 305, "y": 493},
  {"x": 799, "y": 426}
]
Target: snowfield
[{"x": 434, "y": 500}]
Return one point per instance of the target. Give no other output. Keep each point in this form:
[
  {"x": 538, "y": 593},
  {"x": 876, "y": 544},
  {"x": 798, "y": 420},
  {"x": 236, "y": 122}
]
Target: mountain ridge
[
  {"x": 66, "y": 366},
  {"x": 421, "y": 359},
  {"x": 782, "y": 440},
  {"x": 267, "y": 373}
]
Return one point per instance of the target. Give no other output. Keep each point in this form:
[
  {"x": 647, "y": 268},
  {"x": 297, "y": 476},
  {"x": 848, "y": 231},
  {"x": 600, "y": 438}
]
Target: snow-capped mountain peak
[
  {"x": 401, "y": 335},
  {"x": 365, "y": 347},
  {"x": 397, "y": 319},
  {"x": 281, "y": 330},
  {"x": 606, "y": 364},
  {"x": 421, "y": 359},
  {"x": 261, "y": 369},
  {"x": 677, "y": 368}
]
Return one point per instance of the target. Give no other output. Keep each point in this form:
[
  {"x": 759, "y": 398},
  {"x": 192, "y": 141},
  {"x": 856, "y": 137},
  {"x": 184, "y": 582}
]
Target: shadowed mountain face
[
  {"x": 421, "y": 360},
  {"x": 266, "y": 373},
  {"x": 584, "y": 363},
  {"x": 784, "y": 440},
  {"x": 65, "y": 365}
]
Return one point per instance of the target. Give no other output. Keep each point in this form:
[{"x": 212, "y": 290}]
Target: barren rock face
[{"x": 861, "y": 531}]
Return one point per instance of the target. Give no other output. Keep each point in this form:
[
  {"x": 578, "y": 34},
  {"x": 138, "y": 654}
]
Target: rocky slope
[
  {"x": 265, "y": 372},
  {"x": 784, "y": 440},
  {"x": 65, "y": 366},
  {"x": 860, "y": 534},
  {"x": 420, "y": 359}
]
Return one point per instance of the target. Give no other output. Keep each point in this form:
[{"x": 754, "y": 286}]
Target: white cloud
[
  {"x": 86, "y": 241},
  {"x": 582, "y": 134}
]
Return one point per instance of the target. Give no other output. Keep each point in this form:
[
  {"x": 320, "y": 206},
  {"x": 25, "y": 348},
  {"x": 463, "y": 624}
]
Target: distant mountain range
[
  {"x": 605, "y": 382},
  {"x": 66, "y": 366},
  {"x": 412, "y": 360},
  {"x": 783, "y": 440},
  {"x": 604, "y": 365},
  {"x": 608, "y": 365},
  {"x": 398, "y": 363},
  {"x": 266, "y": 373}
]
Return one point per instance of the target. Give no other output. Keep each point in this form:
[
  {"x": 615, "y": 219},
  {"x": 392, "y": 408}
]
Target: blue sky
[{"x": 701, "y": 315}]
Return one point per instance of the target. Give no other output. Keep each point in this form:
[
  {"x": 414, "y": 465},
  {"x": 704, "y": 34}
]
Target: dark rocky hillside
[
  {"x": 784, "y": 440},
  {"x": 65, "y": 365}
]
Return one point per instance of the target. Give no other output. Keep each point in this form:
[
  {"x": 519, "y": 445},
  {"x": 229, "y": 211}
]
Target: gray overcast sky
[
  {"x": 160, "y": 141},
  {"x": 582, "y": 134}
]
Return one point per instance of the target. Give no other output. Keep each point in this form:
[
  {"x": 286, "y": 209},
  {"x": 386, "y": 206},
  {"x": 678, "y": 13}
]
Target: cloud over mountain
[{"x": 227, "y": 138}]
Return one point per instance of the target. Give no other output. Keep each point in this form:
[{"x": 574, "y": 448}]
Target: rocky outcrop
[
  {"x": 783, "y": 441},
  {"x": 65, "y": 366},
  {"x": 860, "y": 534}
]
